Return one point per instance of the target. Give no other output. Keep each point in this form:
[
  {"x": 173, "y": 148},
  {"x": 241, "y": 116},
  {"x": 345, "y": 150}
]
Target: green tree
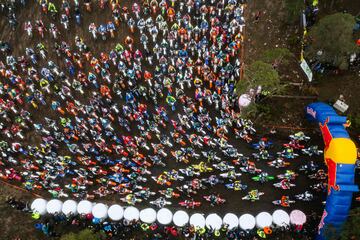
[
  {"x": 294, "y": 9},
  {"x": 86, "y": 234},
  {"x": 277, "y": 55},
  {"x": 331, "y": 40},
  {"x": 351, "y": 228},
  {"x": 261, "y": 74}
]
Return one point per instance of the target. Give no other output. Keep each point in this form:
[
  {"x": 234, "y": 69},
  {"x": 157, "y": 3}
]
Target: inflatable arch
[{"x": 340, "y": 156}]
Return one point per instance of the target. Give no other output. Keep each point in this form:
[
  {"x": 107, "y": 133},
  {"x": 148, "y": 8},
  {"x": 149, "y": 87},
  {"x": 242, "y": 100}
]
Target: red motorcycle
[
  {"x": 189, "y": 204},
  {"x": 294, "y": 145},
  {"x": 214, "y": 199}
]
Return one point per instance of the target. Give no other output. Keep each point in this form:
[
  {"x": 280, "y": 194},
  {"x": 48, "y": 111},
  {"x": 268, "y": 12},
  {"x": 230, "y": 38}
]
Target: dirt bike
[
  {"x": 291, "y": 175},
  {"x": 278, "y": 163},
  {"x": 223, "y": 166},
  {"x": 306, "y": 196},
  {"x": 284, "y": 203},
  {"x": 218, "y": 200},
  {"x": 294, "y": 145},
  {"x": 160, "y": 202},
  {"x": 284, "y": 186},
  {"x": 263, "y": 178},
  {"x": 189, "y": 172},
  {"x": 253, "y": 198},
  {"x": 310, "y": 151},
  {"x": 230, "y": 175},
  {"x": 169, "y": 194},
  {"x": 236, "y": 186},
  {"x": 190, "y": 204}
]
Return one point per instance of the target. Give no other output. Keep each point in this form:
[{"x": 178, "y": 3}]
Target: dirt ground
[{"x": 268, "y": 32}]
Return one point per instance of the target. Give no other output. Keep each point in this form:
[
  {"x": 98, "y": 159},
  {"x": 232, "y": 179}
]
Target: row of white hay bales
[{"x": 164, "y": 216}]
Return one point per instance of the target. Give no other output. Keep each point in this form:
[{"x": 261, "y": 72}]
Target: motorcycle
[
  {"x": 278, "y": 163},
  {"x": 236, "y": 186},
  {"x": 313, "y": 150},
  {"x": 190, "y": 204},
  {"x": 169, "y": 193},
  {"x": 202, "y": 167},
  {"x": 306, "y": 196},
  {"x": 262, "y": 144},
  {"x": 253, "y": 195},
  {"x": 263, "y": 177},
  {"x": 309, "y": 167},
  {"x": 232, "y": 175},
  {"x": 131, "y": 199},
  {"x": 223, "y": 166},
  {"x": 294, "y": 144},
  {"x": 214, "y": 200},
  {"x": 284, "y": 185},
  {"x": 299, "y": 136},
  {"x": 284, "y": 201},
  {"x": 290, "y": 175},
  {"x": 189, "y": 172},
  {"x": 160, "y": 202}
]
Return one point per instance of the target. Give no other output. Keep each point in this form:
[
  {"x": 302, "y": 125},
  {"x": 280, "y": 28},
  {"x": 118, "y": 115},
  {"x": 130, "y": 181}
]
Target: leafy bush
[{"x": 83, "y": 235}]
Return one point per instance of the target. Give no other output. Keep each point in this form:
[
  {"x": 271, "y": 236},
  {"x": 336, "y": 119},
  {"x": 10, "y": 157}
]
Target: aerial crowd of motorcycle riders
[{"x": 164, "y": 93}]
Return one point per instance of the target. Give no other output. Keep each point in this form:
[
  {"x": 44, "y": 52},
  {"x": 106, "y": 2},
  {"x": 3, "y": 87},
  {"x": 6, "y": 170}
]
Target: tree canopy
[
  {"x": 277, "y": 55},
  {"x": 331, "y": 40},
  {"x": 257, "y": 74}
]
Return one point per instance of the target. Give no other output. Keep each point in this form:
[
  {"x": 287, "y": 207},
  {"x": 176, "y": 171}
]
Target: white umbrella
[
  {"x": 100, "y": 211},
  {"x": 263, "y": 219},
  {"x": 297, "y": 217},
  {"x": 247, "y": 222},
  {"x": 231, "y": 220},
  {"x": 84, "y": 207},
  {"x": 180, "y": 218},
  {"x": 280, "y": 218},
  {"x": 131, "y": 213},
  {"x": 213, "y": 221},
  {"x": 148, "y": 215},
  {"x": 244, "y": 100},
  {"x": 39, "y": 206},
  {"x": 69, "y": 207},
  {"x": 164, "y": 216},
  {"x": 116, "y": 212},
  {"x": 197, "y": 220},
  {"x": 54, "y": 206}
]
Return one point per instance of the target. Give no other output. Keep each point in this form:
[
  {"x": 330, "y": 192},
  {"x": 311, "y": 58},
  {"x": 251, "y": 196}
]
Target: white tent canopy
[
  {"x": 116, "y": 212},
  {"x": 231, "y": 220},
  {"x": 69, "y": 207},
  {"x": 164, "y": 216},
  {"x": 213, "y": 221},
  {"x": 197, "y": 220},
  {"x": 180, "y": 218},
  {"x": 244, "y": 100},
  {"x": 297, "y": 217},
  {"x": 100, "y": 211},
  {"x": 84, "y": 207},
  {"x": 263, "y": 219},
  {"x": 148, "y": 215},
  {"x": 247, "y": 221},
  {"x": 280, "y": 218},
  {"x": 39, "y": 206},
  {"x": 131, "y": 213},
  {"x": 54, "y": 206}
]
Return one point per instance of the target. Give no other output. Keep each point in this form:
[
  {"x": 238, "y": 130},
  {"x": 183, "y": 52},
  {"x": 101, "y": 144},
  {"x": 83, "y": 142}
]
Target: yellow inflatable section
[{"x": 341, "y": 150}]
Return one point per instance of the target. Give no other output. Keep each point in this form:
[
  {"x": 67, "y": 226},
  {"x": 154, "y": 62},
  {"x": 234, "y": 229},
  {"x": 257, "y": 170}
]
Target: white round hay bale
[
  {"x": 148, "y": 215},
  {"x": 297, "y": 217},
  {"x": 180, "y": 218},
  {"x": 231, "y": 220},
  {"x": 84, "y": 207},
  {"x": 54, "y": 206},
  {"x": 116, "y": 212},
  {"x": 131, "y": 213},
  {"x": 263, "y": 219},
  {"x": 213, "y": 221},
  {"x": 69, "y": 207},
  {"x": 244, "y": 100},
  {"x": 164, "y": 216},
  {"x": 197, "y": 220},
  {"x": 39, "y": 206},
  {"x": 100, "y": 211},
  {"x": 281, "y": 218},
  {"x": 247, "y": 222}
]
